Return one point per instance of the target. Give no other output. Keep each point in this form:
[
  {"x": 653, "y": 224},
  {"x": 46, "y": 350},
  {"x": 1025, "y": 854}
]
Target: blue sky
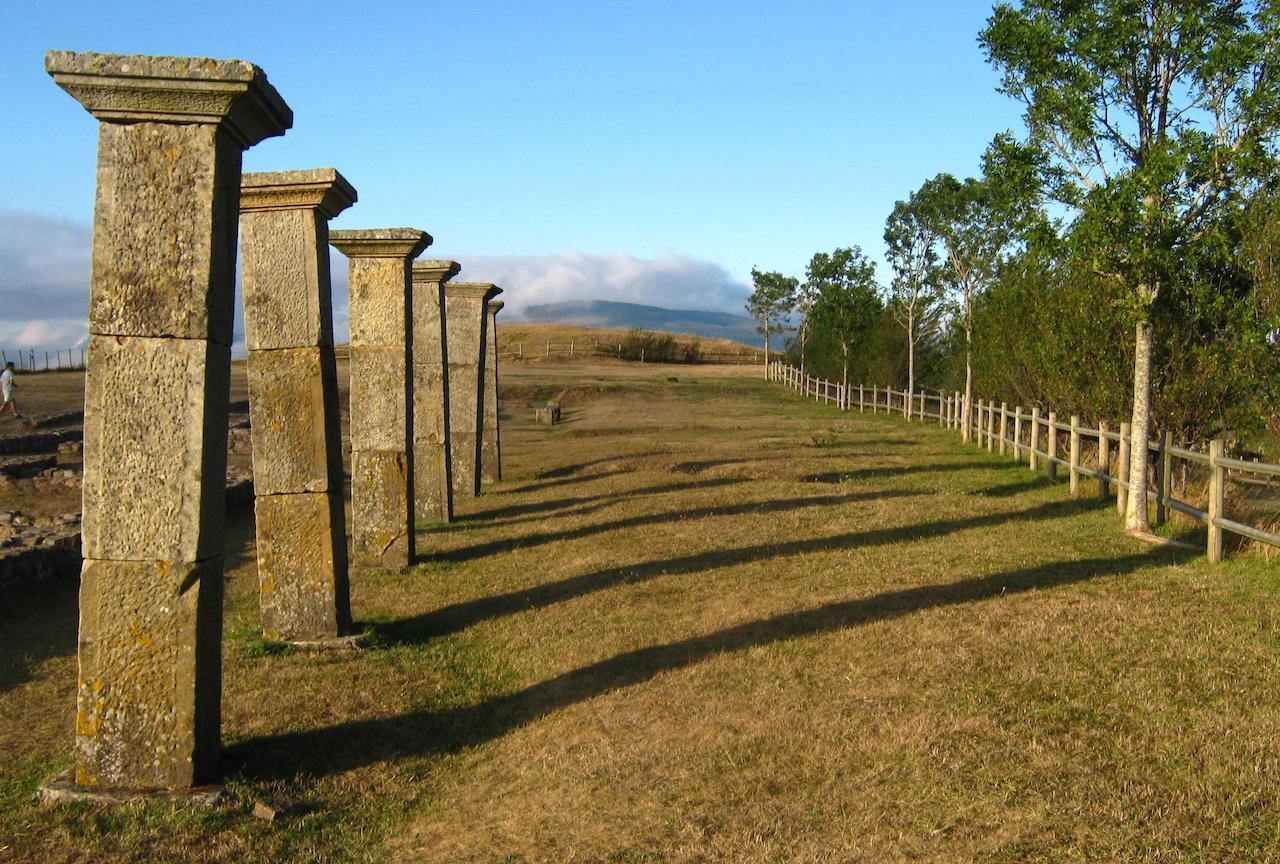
[{"x": 564, "y": 149}]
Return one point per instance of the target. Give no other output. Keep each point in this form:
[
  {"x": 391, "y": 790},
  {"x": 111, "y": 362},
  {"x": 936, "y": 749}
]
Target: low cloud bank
[{"x": 44, "y": 282}]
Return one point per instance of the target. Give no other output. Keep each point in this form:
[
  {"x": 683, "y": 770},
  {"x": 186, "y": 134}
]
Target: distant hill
[{"x": 606, "y": 313}]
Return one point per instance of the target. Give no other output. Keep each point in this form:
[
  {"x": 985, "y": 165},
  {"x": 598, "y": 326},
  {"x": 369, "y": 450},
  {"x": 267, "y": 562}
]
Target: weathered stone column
[
  {"x": 156, "y": 392},
  {"x": 293, "y": 401},
  {"x": 381, "y": 315},
  {"x": 467, "y": 322},
  {"x": 491, "y": 440},
  {"x": 432, "y": 474}
]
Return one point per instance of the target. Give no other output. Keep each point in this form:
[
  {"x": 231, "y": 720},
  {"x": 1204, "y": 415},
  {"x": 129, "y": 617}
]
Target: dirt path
[{"x": 703, "y": 620}]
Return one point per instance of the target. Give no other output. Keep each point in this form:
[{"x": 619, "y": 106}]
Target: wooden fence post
[
  {"x": 1217, "y": 499},
  {"x": 1104, "y": 460},
  {"x": 1033, "y": 461},
  {"x": 862, "y": 405},
  {"x": 1122, "y": 467},
  {"x": 1004, "y": 426},
  {"x": 875, "y": 398},
  {"x": 1164, "y": 472},
  {"x": 991, "y": 426},
  {"x": 1075, "y": 455},
  {"x": 1017, "y": 433},
  {"x": 1051, "y": 462}
]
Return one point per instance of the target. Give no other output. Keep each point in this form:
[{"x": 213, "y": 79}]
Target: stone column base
[
  {"x": 355, "y": 641},
  {"x": 62, "y": 790}
]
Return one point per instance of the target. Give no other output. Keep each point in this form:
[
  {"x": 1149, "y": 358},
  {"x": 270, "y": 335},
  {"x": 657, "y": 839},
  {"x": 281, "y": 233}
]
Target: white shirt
[{"x": 6, "y": 382}]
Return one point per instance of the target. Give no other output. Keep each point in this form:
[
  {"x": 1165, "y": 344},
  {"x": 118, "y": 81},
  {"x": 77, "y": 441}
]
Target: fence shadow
[
  {"x": 459, "y": 616},
  {"x": 357, "y": 743}
]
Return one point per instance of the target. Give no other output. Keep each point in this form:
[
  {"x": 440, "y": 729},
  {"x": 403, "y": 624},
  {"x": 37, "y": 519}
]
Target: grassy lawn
[{"x": 705, "y": 620}]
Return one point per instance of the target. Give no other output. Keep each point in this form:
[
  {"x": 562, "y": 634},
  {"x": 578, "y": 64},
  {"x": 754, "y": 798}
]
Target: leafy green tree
[
  {"x": 848, "y": 305},
  {"x": 1153, "y": 118},
  {"x": 802, "y": 303},
  {"x": 769, "y": 303},
  {"x": 915, "y": 294},
  {"x": 976, "y": 222}
]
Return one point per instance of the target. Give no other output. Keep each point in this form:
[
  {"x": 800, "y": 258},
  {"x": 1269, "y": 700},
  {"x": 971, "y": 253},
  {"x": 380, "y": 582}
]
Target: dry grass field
[{"x": 705, "y": 620}]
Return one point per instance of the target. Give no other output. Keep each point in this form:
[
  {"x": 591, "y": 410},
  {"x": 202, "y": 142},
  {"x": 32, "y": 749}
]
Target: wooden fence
[
  {"x": 595, "y": 348},
  {"x": 29, "y": 359},
  {"x": 1038, "y": 437}
]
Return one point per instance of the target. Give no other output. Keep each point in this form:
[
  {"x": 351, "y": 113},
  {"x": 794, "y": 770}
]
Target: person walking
[{"x": 6, "y": 391}]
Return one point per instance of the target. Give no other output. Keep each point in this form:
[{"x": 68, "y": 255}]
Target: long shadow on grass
[
  {"x": 777, "y": 505},
  {"x": 39, "y": 621},
  {"x": 542, "y": 507},
  {"x": 362, "y": 742},
  {"x": 570, "y": 470},
  {"x": 566, "y": 481},
  {"x": 459, "y": 616},
  {"x": 877, "y": 472},
  {"x": 1016, "y": 488}
]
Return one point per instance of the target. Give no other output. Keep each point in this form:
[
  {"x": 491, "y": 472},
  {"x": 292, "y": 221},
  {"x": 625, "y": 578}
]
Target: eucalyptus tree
[
  {"x": 802, "y": 303},
  {"x": 771, "y": 299},
  {"x": 1152, "y": 118},
  {"x": 848, "y": 305},
  {"x": 973, "y": 229},
  {"x": 915, "y": 295}
]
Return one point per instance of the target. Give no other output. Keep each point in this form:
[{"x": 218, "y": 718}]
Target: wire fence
[{"x": 40, "y": 360}]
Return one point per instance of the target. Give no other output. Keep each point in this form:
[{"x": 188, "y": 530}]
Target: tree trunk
[
  {"x": 966, "y": 434},
  {"x": 803, "y": 336},
  {"x": 911, "y": 361},
  {"x": 1135, "y": 520},
  {"x": 766, "y": 349},
  {"x": 845, "y": 350}
]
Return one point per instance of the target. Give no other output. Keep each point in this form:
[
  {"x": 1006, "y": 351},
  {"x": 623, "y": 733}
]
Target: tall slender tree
[
  {"x": 770, "y": 301},
  {"x": 1153, "y": 116},
  {"x": 974, "y": 221},
  {"x": 915, "y": 294}
]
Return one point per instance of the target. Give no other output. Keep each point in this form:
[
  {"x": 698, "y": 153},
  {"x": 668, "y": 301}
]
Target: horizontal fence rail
[{"x": 1038, "y": 437}]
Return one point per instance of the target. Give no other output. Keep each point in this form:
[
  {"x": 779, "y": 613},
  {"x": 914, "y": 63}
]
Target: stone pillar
[
  {"x": 465, "y": 307},
  {"x": 293, "y": 401},
  {"x": 381, "y": 315},
  {"x": 432, "y": 472},
  {"x": 491, "y": 438},
  {"x": 155, "y": 412}
]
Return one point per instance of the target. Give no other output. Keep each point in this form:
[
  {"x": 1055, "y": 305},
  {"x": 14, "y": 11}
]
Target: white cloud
[
  {"x": 678, "y": 282},
  {"x": 44, "y": 282}
]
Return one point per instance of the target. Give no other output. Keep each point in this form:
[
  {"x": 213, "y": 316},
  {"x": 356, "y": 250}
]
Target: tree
[
  {"x": 848, "y": 305},
  {"x": 769, "y": 304},
  {"x": 1152, "y": 118},
  {"x": 802, "y": 303},
  {"x": 978, "y": 222},
  {"x": 915, "y": 295}
]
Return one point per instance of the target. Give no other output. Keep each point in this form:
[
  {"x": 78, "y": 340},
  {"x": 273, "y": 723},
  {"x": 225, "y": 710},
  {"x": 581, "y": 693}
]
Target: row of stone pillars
[{"x": 423, "y": 402}]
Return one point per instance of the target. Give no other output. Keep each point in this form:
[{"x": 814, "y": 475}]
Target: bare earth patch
[{"x": 705, "y": 620}]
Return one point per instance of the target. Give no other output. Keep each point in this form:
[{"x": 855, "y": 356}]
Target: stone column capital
[
  {"x": 233, "y": 94},
  {"x": 495, "y": 306},
  {"x": 435, "y": 271},
  {"x": 322, "y": 189},
  {"x": 405, "y": 243},
  {"x": 473, "y": 290}
]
